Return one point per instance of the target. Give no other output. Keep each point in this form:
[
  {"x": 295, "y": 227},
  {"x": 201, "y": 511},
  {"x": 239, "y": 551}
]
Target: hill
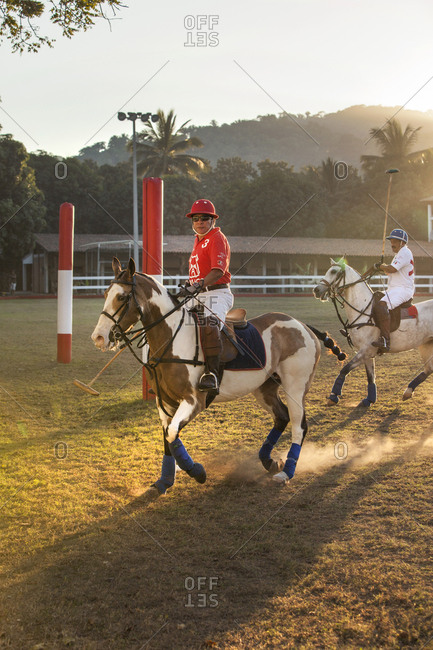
[{"x": 300, "y": 140}]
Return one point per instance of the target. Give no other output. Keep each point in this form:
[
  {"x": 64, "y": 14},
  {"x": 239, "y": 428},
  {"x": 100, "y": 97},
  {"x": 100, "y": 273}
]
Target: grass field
[{"x": 339, "y": 558}]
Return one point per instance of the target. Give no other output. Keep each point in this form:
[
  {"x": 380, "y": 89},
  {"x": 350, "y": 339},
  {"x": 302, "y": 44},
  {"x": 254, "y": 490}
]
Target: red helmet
[{"x": 203, "y": 206}]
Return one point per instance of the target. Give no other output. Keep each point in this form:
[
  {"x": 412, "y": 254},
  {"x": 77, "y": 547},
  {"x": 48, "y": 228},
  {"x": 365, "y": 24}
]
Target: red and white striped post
[
  {"x": 152, "y": 239},
  {"x": 64, "y": 283}
]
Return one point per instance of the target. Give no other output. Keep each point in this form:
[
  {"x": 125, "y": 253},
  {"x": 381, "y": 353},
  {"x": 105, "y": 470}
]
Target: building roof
[{"x": 247, "y": 245}]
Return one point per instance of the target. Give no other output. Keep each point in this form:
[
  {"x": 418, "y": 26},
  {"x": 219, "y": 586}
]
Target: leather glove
[{"x": 191, "y": 289}]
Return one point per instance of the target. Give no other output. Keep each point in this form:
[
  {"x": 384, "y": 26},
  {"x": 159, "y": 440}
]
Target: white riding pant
[
  {"x": 396, "y": 296},
  {"x": 216, "y": 303}
]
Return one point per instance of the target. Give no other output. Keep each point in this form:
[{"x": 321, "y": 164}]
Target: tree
[
  {"x": 21, "y": 209},
  {"x": 19, "y": 19},
  {"x": 116, "y": 151},
  {"x": 395, "y": 146},
  {"x": 161, "y": 149}
]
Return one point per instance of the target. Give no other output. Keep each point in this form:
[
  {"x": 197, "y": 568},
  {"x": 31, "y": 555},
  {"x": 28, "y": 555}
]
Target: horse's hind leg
[
  {"x": 295, "y": 382},
  {"x": 267, "y": 397},
  {"x": 426, "y": 352}
]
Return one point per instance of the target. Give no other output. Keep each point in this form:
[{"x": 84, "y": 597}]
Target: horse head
[
  {"x": 333, "y": 279},
  {"x": 125, "y": 299}
]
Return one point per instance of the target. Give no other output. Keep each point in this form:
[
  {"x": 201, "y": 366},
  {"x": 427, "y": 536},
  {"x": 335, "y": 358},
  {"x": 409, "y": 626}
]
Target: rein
[
  {"x": 153, "y": 362},
  {"x": 336, "y": 294}
]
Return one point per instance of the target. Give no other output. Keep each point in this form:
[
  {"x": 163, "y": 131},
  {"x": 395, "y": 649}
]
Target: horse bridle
[
  {"x": 127, "y": 337},
  {"x": 336, "y": 295}
]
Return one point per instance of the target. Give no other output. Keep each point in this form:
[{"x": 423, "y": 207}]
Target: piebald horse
[
  {"x": 175, "y": 363},
  {"x": 346, "y": 287}
]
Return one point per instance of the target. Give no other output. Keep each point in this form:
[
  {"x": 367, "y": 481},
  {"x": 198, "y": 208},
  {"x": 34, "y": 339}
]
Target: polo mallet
[
  {"x": 88, "y": 387},
  {"x": 390, "y": 172}
]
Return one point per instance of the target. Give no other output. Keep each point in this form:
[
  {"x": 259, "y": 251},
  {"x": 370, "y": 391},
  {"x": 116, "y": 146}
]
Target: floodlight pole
[
  {"x": 134, "y": 195},
  {"x": 144, "y": 117}
]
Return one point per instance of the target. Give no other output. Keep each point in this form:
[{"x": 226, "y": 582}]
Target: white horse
[
  {"x": 345, "y": 287},
  {"x": 175, "y": 363}
]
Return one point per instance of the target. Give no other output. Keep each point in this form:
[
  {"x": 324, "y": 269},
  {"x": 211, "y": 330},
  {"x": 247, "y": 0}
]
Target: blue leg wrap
[
  {"x": 418, "y": 380},
  {"x": 168, "y": 473},
  {"x": 292, "y": 459},
  {"x": 338, "y": 385},
  {"x": 268, "y": 445},
  {"x": 181, "y": 455},
  {"x": 266, "y": 448},
  {"x": 185, "y": 461},
  {"x": 371, "y": 395}
]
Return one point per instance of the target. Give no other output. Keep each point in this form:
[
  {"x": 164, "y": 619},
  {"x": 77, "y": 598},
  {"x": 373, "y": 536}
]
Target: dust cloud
[{"x": 245, "y": 467}]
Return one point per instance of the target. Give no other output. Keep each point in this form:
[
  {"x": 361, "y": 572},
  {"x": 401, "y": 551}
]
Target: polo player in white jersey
[{"x": 401, "y": 284}]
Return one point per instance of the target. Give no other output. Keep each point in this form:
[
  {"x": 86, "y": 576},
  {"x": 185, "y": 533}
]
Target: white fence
[{"x": 250, "y": 283}]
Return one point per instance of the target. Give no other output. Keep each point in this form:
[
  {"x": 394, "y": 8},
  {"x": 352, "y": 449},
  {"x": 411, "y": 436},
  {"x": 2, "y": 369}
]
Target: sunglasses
[{"x": 200, "y": 218}]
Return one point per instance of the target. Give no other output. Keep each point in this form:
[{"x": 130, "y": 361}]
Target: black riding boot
[
  {"x": 384, "y": 323},
  {"x": 212, "y": 346}
]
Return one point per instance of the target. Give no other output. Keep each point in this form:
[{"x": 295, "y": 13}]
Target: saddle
[
  {"x": 404, "y": 311},
  {"x": 239, "y": 351},
  {"x": 235, "y": 319}
]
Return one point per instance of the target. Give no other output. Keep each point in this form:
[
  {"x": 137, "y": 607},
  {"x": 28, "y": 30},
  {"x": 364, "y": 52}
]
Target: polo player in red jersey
[{"x": 209, "y": 275}]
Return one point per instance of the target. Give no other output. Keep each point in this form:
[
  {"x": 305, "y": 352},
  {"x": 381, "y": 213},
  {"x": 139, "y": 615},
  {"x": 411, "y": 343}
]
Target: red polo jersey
[{"x": 210, "y": 252}]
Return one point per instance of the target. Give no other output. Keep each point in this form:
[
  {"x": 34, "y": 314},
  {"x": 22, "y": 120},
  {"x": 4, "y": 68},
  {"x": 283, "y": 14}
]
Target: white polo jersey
[{"x": 405, "y": 276}]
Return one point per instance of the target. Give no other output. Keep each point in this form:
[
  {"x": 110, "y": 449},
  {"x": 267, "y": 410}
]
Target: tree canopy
[
  {"x": 161, "y": 148},
  {"x": 19, "y": 19},
  {"x": 21, "y": 203}
]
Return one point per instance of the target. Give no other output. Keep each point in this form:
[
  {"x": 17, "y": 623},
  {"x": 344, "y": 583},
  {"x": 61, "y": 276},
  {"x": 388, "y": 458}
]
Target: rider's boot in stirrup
[
  {"x": 384, "y": 323},
  {"x": 212, "y": 346}
]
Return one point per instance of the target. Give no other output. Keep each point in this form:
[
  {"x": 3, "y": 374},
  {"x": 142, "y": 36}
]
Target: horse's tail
[{"x": 329, "y": 343}]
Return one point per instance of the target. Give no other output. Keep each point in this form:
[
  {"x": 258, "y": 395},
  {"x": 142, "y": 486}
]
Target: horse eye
[{"x": 122, "y": 297}]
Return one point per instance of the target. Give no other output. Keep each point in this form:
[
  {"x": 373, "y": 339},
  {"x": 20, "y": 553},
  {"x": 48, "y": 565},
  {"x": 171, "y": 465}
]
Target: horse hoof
[
  {"x": 365, "y": 403},
  {"x": 272, "y": 466},
  {"x": 281, "y": 478},
  {"x": 331, "y": 402},
  {"x": 198, "y": 472},
  {"x": 407, "y": 394},
  {"x": 276, "y": 466}
]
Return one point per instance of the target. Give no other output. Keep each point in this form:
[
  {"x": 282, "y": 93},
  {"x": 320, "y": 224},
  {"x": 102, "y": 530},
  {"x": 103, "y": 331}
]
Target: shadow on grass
[{"x": 144, "y": 576}]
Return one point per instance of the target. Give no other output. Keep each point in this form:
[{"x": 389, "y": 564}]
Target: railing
[{"x": 267, "y": 284}]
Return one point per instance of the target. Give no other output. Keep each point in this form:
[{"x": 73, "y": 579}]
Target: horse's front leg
[
  {"x": 168, "y": 469},
  {"x": 186, "y": 411},
  {"x": 334, "y": 397},
  {"x": 371, "y": 379}
]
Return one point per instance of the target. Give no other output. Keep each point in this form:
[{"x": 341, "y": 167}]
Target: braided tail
[{"x": 329, "y": 343}]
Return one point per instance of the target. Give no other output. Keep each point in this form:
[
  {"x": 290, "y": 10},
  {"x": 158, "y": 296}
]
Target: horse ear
[
  {"x": 116, "y": 265},
  {"x": 332, "y": 261},
  {"x": 131, "y": 267}
]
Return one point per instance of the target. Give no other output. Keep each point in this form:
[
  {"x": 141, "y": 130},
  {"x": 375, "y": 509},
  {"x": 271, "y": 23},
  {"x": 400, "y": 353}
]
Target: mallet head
[
  {"x": 392, "y": 171},
  {"x": 85, "y": 387}
]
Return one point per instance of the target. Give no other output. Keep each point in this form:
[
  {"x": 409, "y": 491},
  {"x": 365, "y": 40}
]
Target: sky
[{"x": 217, "y": 60}]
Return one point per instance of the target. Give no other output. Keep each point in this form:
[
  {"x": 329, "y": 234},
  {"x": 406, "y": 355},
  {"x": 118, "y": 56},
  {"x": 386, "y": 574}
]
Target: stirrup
[
  {"x": 382, "y": 344},
  {"x": 208, "y": 382}
]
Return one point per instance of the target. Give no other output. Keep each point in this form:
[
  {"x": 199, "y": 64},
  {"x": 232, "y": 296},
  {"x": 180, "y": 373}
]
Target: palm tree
[
  {"x": 161, "y": 149},
  {"x": 395, "y": 146},
  {"x": 328, "y": 178}
]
